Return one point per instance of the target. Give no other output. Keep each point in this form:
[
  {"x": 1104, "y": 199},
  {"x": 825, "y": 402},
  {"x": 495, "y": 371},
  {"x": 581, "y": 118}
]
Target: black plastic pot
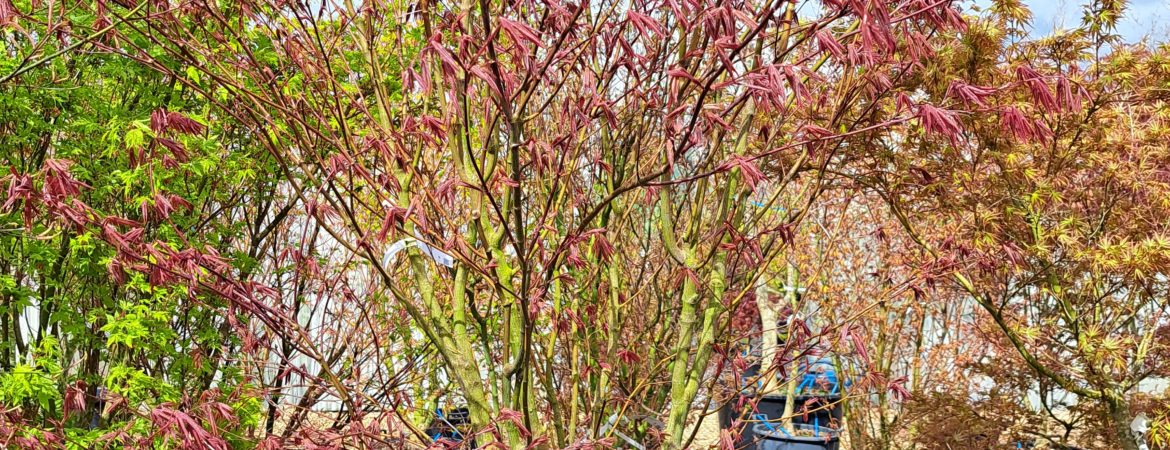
[
  {"x": 772, "y": 406},
  {"x": 448, "y": 424},
  {"x": 822, "y": 412},
  {"x": 775, "y": 439},
  {"x": 730, "y": 414}
]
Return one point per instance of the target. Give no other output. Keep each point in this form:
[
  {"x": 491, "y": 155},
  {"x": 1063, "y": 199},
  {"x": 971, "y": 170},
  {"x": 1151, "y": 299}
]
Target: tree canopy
[{"x": 276, "y": 224}]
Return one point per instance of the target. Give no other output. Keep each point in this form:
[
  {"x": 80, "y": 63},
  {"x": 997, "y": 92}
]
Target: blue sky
[{"x": 1142, "y": 18}]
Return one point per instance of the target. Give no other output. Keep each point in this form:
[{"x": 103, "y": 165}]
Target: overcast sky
[{"x": 1142, "y": 18}]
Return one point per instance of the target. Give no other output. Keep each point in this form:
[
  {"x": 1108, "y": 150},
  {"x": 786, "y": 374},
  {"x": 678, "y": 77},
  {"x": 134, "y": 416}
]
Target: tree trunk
[
  {"x": 680, "y": 404},
  {"x": 768, "y": 336},
  {"x": 794, "y": 364},
  {"x": 1120, "y": 417}
]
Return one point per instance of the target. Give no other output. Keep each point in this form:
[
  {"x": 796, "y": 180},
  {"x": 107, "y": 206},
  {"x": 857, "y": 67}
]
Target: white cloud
[{"x": 1142, "y": 17}]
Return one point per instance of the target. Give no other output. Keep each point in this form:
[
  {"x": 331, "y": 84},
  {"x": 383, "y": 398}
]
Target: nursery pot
[
  {"x": 822, "y": 409},
  {"x": 826, "y": 409},
  {"x": 770, "y": 407},
  {"x": 804, "y": 437},
  {"x": 447, "y": 424}
]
